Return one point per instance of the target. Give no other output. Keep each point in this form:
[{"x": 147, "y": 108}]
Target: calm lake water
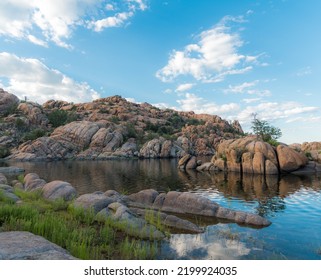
[{"x": 292, "y": 203}]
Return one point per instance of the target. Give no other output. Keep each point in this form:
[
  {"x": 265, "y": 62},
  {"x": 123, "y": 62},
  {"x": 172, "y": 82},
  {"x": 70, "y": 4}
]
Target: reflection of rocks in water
[
  {"x": 290, "y": 184},
  {"x": 271, "y": 205}
]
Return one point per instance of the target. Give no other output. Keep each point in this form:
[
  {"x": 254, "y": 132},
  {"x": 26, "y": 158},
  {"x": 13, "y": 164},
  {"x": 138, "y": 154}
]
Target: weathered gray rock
[
  {"x": 3, "y": 179},
  {"x": 171, "y": 221},
  {"x": 19, "y": 245},
  {"x": 8, "y": 102},
  {"x": 189, "y": 203},
  {"x": 33, "y": 182},
  {"x": 311, "y": 167},
  {"x": 7, "y": 192},
  {"x": 133, "y": 224},
  {"x": 94, "y": 201},
  {"x": 146, "y": 197},
  {"x": 59, "y": 189}
]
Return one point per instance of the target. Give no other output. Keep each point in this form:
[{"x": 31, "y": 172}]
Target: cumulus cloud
[
  {"x": 114, "y": 21},
  {"x": 214, "y": 56},
  {"x": 43, "y": 21},
  {"x": 32, "y": 78},
  {"x": 199, "y": 105},
  {"x": 275, "y": 111}
]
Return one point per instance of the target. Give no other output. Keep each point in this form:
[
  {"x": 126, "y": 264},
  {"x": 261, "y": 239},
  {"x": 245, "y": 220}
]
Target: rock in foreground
[{"x": 20, "y": 245}]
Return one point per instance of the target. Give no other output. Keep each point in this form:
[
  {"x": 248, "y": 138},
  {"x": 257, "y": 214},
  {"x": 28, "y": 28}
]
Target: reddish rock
[{"x": 289, "y": 159}]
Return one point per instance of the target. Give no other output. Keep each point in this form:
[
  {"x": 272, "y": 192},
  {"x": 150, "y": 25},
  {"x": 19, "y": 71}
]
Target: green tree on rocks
[{"x": 265, "y": 131}]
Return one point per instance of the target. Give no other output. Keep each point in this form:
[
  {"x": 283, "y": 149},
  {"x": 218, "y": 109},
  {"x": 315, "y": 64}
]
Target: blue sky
[{"x": 230, "y": 58}]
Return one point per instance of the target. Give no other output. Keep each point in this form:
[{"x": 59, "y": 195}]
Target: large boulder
[
  {"x": 34, "y": 113},
  {"x": 21, "y": 245},
  {"x": 8, "y": 102},
  {"x": 93, "y": 201},
  {"x": 289, "y": 159},
  {"x": 59, "y": 189}
]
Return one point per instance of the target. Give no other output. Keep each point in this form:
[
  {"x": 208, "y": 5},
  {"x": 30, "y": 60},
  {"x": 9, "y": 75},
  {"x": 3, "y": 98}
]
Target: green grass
[{"x": 75, "y": 229}]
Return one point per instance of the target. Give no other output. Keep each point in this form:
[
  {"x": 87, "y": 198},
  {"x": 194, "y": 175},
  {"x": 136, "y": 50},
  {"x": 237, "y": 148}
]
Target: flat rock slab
[{"x": 22, "y": 245}]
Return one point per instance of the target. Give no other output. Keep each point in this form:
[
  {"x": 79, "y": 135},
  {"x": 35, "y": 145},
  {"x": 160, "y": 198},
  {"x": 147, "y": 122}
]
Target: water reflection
[
  {"x": 134, "y": 175},
  {"x": 292, "y": 203},
  {"x": 207, "y": 247}
]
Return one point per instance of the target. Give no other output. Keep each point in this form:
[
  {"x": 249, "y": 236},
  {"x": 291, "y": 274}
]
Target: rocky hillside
[{"x": 105, "y": 128}]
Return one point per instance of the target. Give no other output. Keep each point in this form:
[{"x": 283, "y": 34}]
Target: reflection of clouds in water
[{"x": 204, "y": 246}]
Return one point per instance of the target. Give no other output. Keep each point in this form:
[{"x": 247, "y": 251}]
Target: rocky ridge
[{"x": 106, "y": 128}]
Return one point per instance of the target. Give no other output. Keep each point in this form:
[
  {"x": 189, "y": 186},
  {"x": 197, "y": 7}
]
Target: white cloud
[
  {"x": 251, "y": 100},
  {"x": 30, "y": 77},
  {"x": 37, "y": 41},
  {"x": 242, "y": 88},
  {"x": 248, "y": 88},
  {"x": 214, "y": 56},
  {"x": 110, "y": 7},
  {"x": 199, "y": 105},
  {"x": 43, "y": 21},
  {"x": 275, "y": 111},
  {"x": 114, "y": 21},
  {"x": 184, "y": 87}
]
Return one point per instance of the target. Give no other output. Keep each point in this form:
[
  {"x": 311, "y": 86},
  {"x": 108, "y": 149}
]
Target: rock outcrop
[
  {"x": 22, "y": 245},
  {"x": 107, "y": 128},
  {"x": 252, "y": 156},
  {"x": 8, "y": 102},
  {"x": 311, "y": 149}
]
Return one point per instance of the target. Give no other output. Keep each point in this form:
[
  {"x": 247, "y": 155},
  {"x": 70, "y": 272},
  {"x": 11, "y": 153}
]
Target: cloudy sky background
[{"x": 230, "y": 58}]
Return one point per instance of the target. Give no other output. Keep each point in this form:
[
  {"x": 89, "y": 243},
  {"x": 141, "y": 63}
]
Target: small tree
[{"x": 265, "y": 131}]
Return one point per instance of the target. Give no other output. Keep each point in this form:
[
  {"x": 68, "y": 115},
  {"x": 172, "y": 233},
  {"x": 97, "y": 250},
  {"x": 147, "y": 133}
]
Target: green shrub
[
  {"x": 60, "y": 117},
  {"x": 20, "y": 124},
  {"x": 4, "y": 152},
  {"x": 114, "y": 119},
  {"x": 34, "y": 134}
]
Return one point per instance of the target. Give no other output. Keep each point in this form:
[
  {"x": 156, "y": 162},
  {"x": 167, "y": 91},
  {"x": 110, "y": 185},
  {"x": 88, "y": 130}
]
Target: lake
[{"x": 292, "y": 203}]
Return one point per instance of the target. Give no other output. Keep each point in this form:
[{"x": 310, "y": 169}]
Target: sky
[{"x": 231, "y": 58}]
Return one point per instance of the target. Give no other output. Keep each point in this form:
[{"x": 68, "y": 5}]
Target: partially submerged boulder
[{"x": 192, "y": 204}]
